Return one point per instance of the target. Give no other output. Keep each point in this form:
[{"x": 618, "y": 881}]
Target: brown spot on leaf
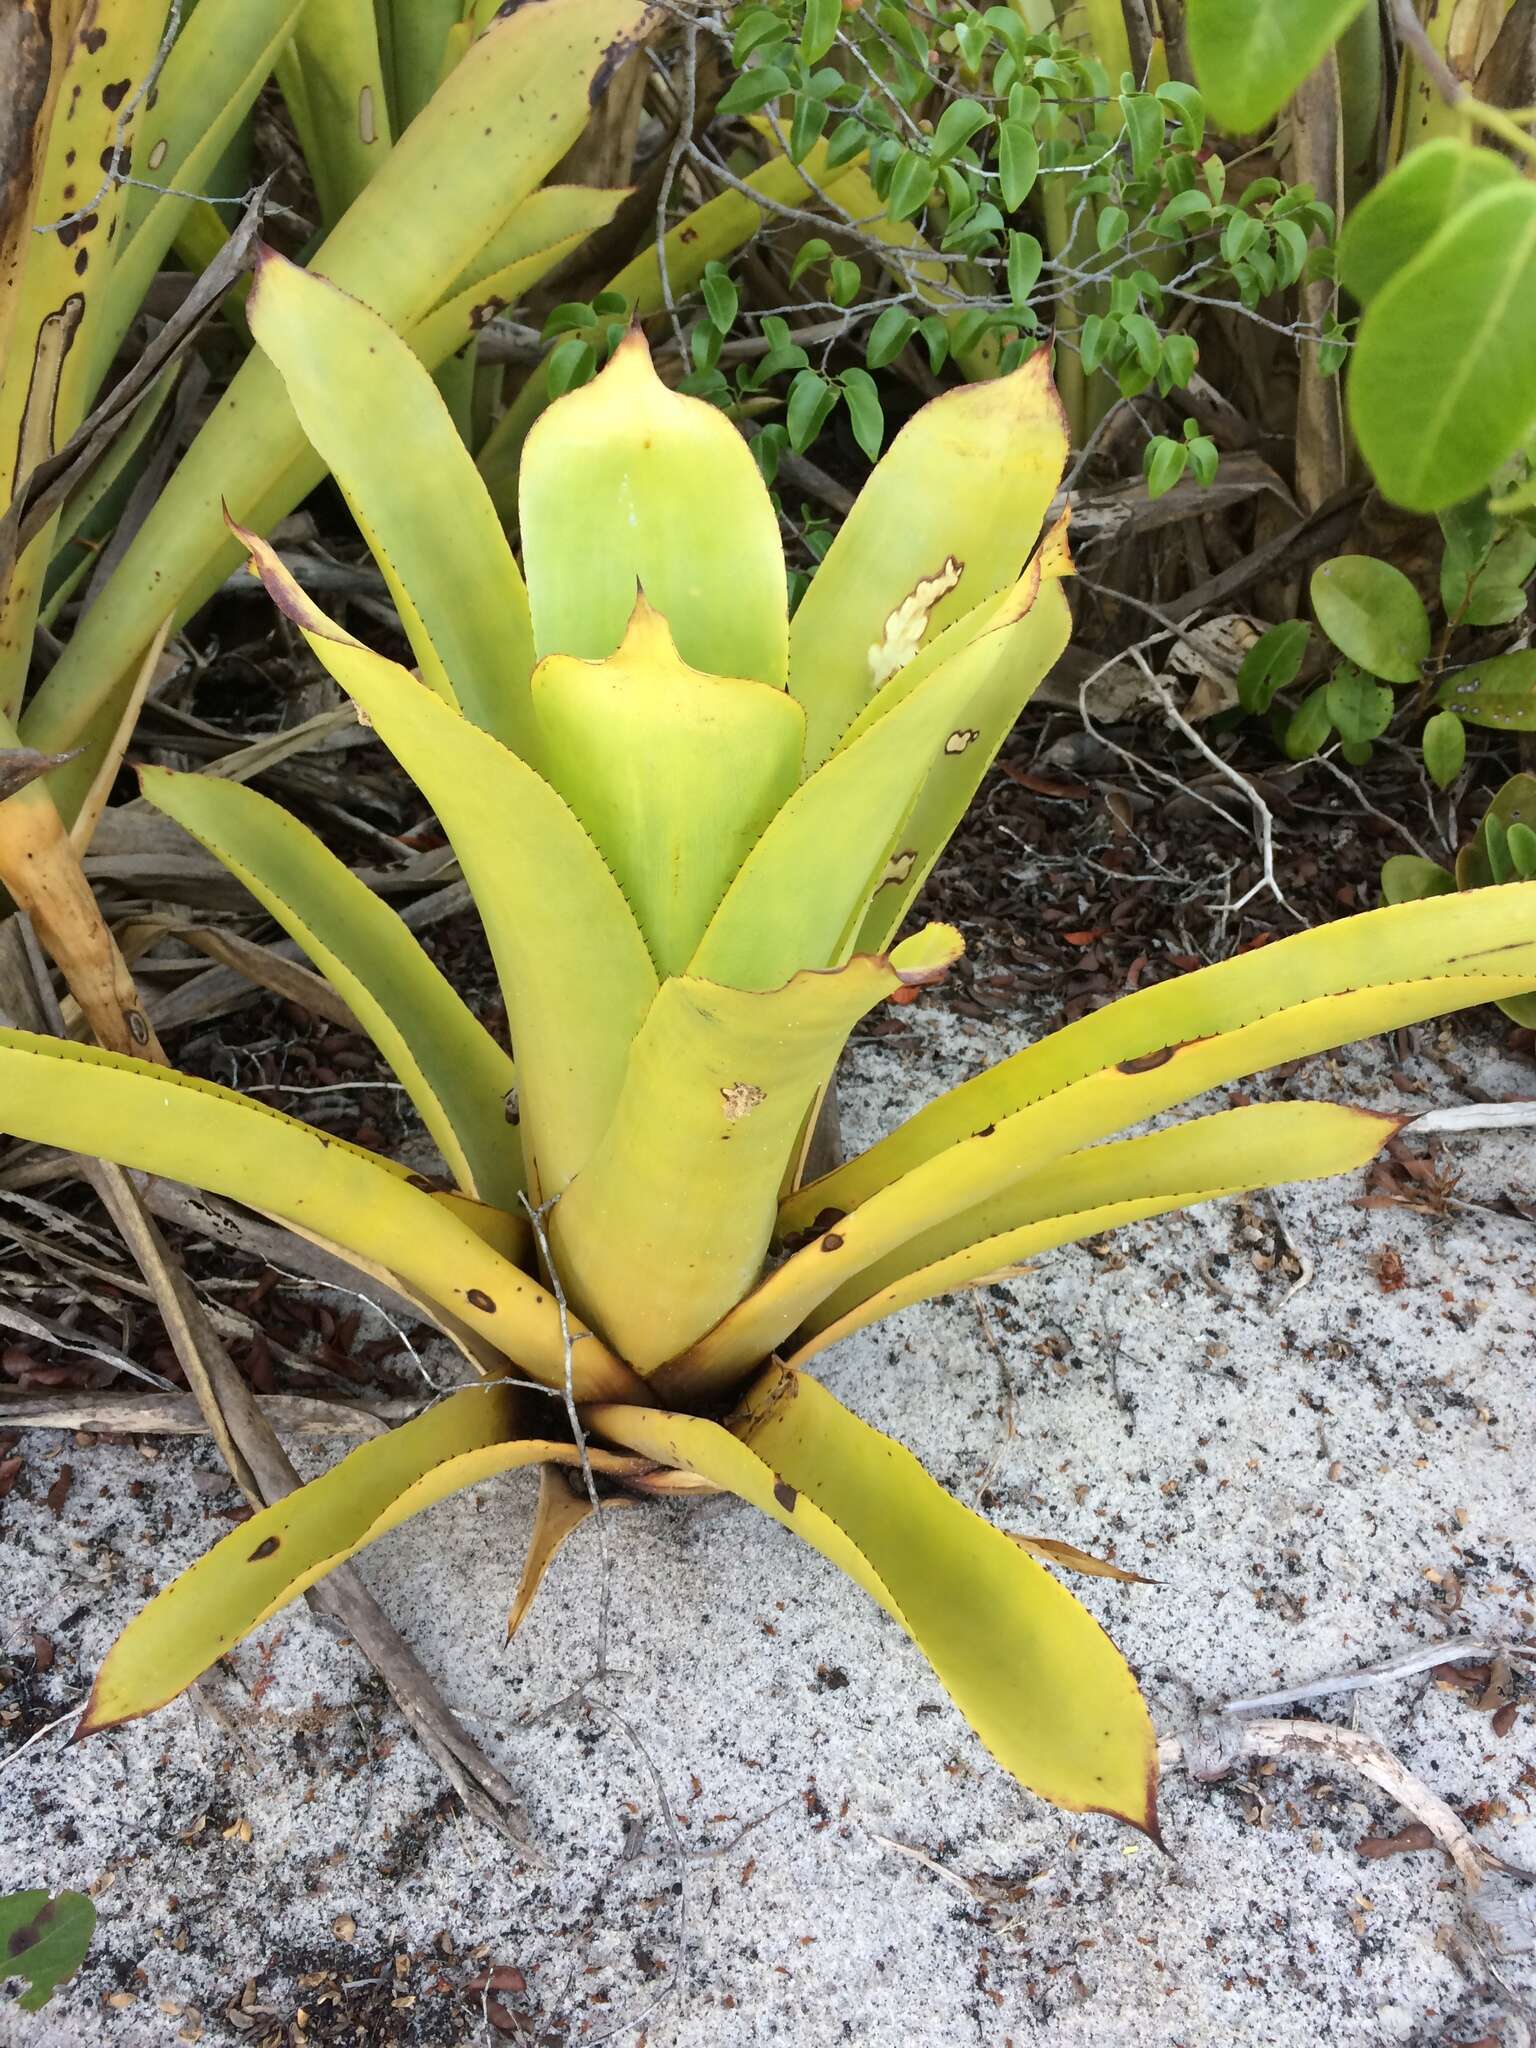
[
  {"x": 785, "y": 1495},
  {"x": 1147, "y": 1061},
  {"x": 112, "y": 96},
  {"x": 832, "y": 1242},
  {"x": 739, "y": 1100},
  {"x": 959, "y": 741},
  {"x": 94, "y": 39},
  {"x": 268, "y": 1549},
  {"x": 478, "y": 1298},
  {"x": 158, "y": 154}
]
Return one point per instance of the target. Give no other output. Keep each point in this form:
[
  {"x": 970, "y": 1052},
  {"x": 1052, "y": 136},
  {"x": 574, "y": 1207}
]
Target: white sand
[{"x": 1289, "y": 1466}]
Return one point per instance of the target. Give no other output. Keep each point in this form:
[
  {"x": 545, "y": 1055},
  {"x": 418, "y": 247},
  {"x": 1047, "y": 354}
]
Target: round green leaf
[
  {"x": 1359, "y": 707},
  {"x": 44, "y": 1940},
  {"x": 1445, "y": 748},
  {"x": 1407, "y": 877},
  {"x": 1249, "y": 56},
  {"x": 1407, "y": 210},
  {"x": 1499, "y": 693},
  {"x": 1442, "y": 389},
  {"x": 1372, "y": 614}
]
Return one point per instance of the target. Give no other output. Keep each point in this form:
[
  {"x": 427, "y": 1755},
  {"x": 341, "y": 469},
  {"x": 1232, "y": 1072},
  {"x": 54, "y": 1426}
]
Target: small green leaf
[
  {"x": 1025, "y": 258},
  {"x": 911, "y": 182},
  {"x": 864, "y": 413},
  {"x": 1408, "y": 877},
  {"x": 570, "y": 363},
  {"x": 757, "y": 29},
  {"x": 1164, "y": 461},
  {"x": 754, "y": 89},
  {"x": 1272, "y": 663},
  {"x": 44, "y": 1940},
  {"x": 720, "y": 298},
  {"x": 1499, "y": 693},
  {"x": 843, "y": 280},
  {"x": 1359, "y": 707},
  {"x": 823, "y": 18},
  {"x": 1114, "y": 225},
  {"x": 1496, "y": 847},
  {"x": 958, "y": 123},
  {"x": 1521, "y": 841},
  {"x": 1143, "y": 116},
  {"x": 1372, "y": 614},
  {"x": 890, "y": 334},
  {"x": 813, "y": 251},
  {"x": 811, "y": 399},
  {"x": 1445, "y": 748},
  {"x": 1018, "y": 162},
  {"x": 1309, "y": 727}
]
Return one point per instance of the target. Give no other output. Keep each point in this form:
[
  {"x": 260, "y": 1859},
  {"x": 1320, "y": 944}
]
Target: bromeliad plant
[{"x": 694, "y": 829}]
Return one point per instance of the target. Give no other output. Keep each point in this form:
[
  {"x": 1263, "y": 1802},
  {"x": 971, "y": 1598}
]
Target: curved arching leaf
[
  {"x": 950, "y": 515},
  {"x": 455, "y": 1073},
  {"x": 573, "y": 965},
  {"x": 414, "y": 491},
  {"x": 82, "y": 1099},
  {"x": 268, "y": 1561},
  {"x": 1028, "y": 1666}
]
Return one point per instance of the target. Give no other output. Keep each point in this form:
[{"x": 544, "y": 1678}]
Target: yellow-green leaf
[
  {"x": 801, "y": 894},
  {"x": 414, "y": 491},
  {"x": 1028, "y": 1666},
  {"x": 709, "y": 234},
  {"x": 433, "y": 204},
  {"x": 572, "y": 962},
  {"x": 1100, "y": 1189},
  {"x": 1165, "y": 1044},
  {"x": 455, "y": 1073},
  {"x": 949, "y": 516},
  {"x": 274, "y": 1557},
  {"x": 626, "y": 483},
  {"x": 53, "y": 1092},
  {"x": 221, "y": 58},
  {"x": 666, "y": 1226},
  {"x": 673, "y": 772},
  {"x": 1027, "y": 632}
]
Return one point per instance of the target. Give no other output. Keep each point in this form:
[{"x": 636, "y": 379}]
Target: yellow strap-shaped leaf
[
  {"x": 555, "y": 218},
  {"x": 522, "y": 93},
  {"x": 801, "y": 894},
  {"x": 455, "y": 1073},
  {"x": 1033, "y": 623},
  {"x": 222, "y": 56},
  {"x": 82, "y": 1099},
  {"x": 674, "y": 773},
  {"x": 573, "y": 966},
  {"x": 333, "y": 81},
  {"x": 1320, "y": 988},
  {"x": 1104, "y": 1189},
  {"x": 1031, "y": 1670},
  {"x": 626, "y": 483},
  {"x": 949, "y": 516},
  {"x": 710, "y": 234},
  {"x": 413, "y": 491},
  {"x": 666, "y": 1226},
  {"x": 259, "y": 1567}
]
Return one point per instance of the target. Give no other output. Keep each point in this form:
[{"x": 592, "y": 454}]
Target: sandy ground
[{"x": 1315, "y": 1474}]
